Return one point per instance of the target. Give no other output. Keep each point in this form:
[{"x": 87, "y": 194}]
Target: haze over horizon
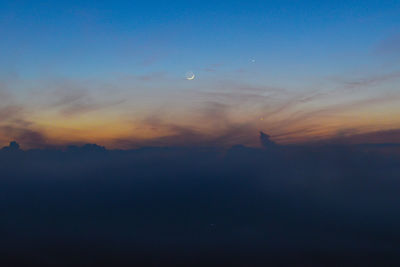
[{"x": 113, "y": 73}]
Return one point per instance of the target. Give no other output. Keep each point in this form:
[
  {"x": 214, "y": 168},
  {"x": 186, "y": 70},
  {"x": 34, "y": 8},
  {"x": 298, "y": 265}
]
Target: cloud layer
[{"x": 129, "y": 112}]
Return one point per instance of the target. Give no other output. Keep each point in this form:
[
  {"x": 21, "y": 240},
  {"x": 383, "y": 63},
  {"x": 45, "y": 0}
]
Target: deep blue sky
[{"x": 91, "y": 37}]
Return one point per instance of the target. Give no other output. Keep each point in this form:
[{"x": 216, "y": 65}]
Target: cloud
[
  {"x": 353, "y": 136},
  {"x": 371, "y": 81},
  {"x": 153, "y": 76},
  {"x": 187, "y": 136},
  {"x": 10, "y": 112},
  {"x": 84, "y": 106},
  {"x": 210, "y": 126},
  {"x": 28, "y": 137},
  {"x": 389, "y": 46},
  {"x": 72, "y": 98},
  {"x": 226, "y": 113},
  {"x": 266, "y": 141},
  {"x": 212, "y": 67}
]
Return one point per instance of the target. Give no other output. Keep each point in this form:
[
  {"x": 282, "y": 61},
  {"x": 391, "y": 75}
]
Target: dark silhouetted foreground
[{"x": 287, "y": 206}]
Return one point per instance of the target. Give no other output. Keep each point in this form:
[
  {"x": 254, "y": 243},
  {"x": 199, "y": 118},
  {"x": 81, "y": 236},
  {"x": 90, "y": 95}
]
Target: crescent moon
[{"x": 190, "y": 75}]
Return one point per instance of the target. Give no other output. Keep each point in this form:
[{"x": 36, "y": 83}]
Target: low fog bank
[{"x": 311, "y": 205}]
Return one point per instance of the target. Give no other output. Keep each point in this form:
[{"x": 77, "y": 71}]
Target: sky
[{"x": 113, "y": 72}]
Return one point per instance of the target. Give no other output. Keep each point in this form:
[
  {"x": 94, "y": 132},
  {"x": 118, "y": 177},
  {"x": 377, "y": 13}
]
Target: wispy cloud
[
  {"x": 85, "y": 106},
  {"x": 74, "y": 98},
  {"x": 11, "y": 112},
  {"x": 370, "y": 81},
  {"x": 212, "y": 67},
  {"x": 226, "y": 113},
  {"x": 389, "y": 46},
  {"x": 354, "y": 136}
]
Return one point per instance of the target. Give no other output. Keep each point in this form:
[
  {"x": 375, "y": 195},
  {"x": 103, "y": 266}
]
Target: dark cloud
[
  {"x": 266, "y": 141},
  {"x": 27, "y": 137}
]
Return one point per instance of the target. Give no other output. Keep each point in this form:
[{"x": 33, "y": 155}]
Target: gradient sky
[{"x": 113, "y": 72}]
